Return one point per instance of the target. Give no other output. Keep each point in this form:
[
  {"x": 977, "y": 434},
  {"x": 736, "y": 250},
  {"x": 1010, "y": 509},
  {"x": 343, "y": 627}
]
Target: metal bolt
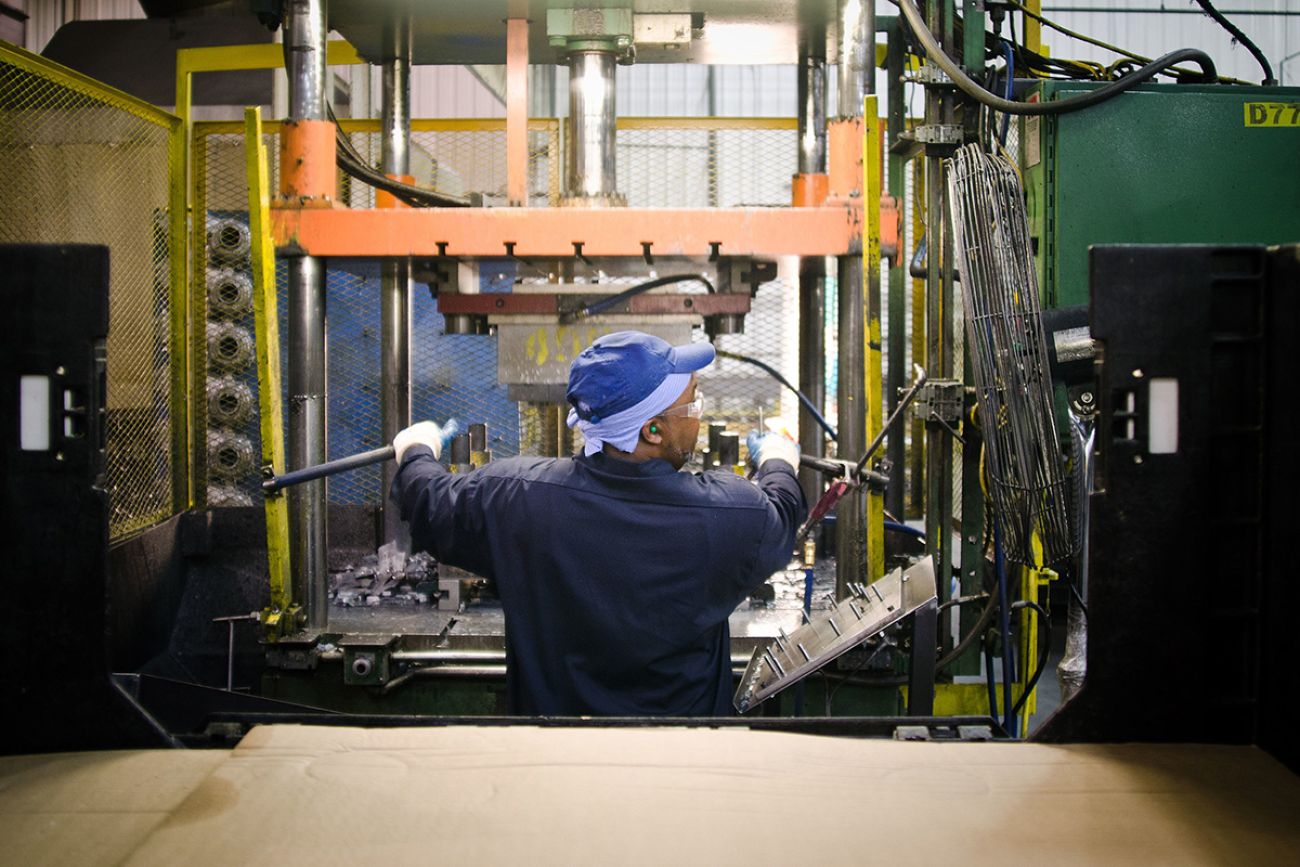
[
  {"x": 1086, "y": 397},
  {"x": 1137, "y": 459},
  {"x": 1137, "y": 373},
  {"x": 60, "y": 370}
]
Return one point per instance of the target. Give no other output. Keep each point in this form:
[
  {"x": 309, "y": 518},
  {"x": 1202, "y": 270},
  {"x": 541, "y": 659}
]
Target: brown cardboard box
[{"x": 524, "y": 795}]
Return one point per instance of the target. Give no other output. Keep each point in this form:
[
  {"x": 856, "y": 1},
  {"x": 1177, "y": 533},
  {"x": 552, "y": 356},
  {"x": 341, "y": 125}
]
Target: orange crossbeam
[{"x": 544, "y": 232}]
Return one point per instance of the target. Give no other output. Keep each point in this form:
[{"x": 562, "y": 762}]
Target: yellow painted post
[
  {"x": 871, "y": 165},
  {"x": 1033, "y": 29},
  {"x": 281, "y": 616}
]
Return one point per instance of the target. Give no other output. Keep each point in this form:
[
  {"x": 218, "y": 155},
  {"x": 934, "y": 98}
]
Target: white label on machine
[
  {"x": 1162, "y": 416},
  {"x": 34, "y": 413}
]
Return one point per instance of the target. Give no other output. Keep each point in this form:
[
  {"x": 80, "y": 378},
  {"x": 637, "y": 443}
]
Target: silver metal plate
[
  {"x": 536, "y": 350},
  {"x": 831, "y": 633}
]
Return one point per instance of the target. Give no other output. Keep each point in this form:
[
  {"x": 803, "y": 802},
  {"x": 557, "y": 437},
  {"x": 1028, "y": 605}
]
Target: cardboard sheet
[
  {"x": 524, "y": 795},
  {"x": 92, "y": 808}
]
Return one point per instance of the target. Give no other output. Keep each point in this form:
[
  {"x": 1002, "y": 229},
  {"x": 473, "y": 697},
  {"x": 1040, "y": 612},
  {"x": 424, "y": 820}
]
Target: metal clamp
[
  {"x": 930, "y": 76},
  {"x": 938, "y": 133},
  {"x": 941, "y": 400}
]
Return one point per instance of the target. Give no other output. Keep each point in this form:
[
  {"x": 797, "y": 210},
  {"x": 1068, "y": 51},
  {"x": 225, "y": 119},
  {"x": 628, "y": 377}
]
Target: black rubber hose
[
  {"x": 354, "y": 165},
  {"x": 776, "y": 374},
  {"x": 975, "y": 91},
  {"x": 1227, "y": 25},
  {"x": 1046, "y": 623},
  {"x": 407, "y": 193},
  {"x": 986, "y": 617},
  {"x": 640, "y": 288}
]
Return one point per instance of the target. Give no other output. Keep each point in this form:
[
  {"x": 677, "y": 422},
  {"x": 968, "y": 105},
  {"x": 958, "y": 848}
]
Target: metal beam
[
  {"x": 395, "y": 276},
  {"x": 306, "y": 34},
  {"x": 812, "y": 270}
]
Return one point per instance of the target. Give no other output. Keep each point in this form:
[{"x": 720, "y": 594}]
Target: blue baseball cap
[{"x": 620, "y": 370}]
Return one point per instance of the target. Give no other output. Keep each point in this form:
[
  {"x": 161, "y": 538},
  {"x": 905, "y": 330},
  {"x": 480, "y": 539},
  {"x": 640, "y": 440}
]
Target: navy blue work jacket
[{"x": 617, "y": 578}]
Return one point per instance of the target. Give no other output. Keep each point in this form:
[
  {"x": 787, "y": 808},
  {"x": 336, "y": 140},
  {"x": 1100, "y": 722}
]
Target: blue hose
[
  {"x": 895, "y": 527},
  {"x": 1011, "y": 77},
  {"x": 776, "y": 374}
]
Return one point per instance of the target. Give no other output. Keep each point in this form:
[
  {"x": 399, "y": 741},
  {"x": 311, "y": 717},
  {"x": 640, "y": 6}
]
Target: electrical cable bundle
[
  {"x": 350, "y": 161},
  {"x": 973, "y": 89}
]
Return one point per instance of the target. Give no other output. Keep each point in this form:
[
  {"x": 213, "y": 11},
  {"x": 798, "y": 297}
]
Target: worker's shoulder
[
  {"x": 722, "y": 488},
  {"x": 525, "y": 468}
]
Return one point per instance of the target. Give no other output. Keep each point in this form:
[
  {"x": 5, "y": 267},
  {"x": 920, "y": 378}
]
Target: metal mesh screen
[
  {"x": 80, "y": 163},
  {"x": 740, "y": 394},
  {"x": 721, "y": 162},
  {"x": 709, "y": 162}
]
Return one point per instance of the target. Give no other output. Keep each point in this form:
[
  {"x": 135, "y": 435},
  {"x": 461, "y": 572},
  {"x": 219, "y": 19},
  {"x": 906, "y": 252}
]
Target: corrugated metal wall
[{"x": 1181, "y": 24}]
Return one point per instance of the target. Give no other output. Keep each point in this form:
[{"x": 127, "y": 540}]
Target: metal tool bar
[
  {"x": 328, "y": 468},
  {"x": 486, "y": 657},
  {"x": 840, "y": 469},
  {"x": 894, "y": 416}
]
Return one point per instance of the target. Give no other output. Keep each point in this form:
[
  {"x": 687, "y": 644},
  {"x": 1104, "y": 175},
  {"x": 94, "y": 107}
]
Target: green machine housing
[{"x": 1160, "y": 164}]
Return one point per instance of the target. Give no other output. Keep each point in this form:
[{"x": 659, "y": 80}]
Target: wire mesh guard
[
  {"x": 82, "y": 165},
  {"x": 1030, "y": 488}
]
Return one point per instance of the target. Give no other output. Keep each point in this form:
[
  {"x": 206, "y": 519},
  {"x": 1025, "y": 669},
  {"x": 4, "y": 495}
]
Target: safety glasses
[{"x": 694, "y": 409}]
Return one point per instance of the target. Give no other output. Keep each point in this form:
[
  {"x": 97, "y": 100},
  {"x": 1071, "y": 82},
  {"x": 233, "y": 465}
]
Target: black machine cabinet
[
  {"x": 54, "y": 680},
  {"x": 1193, "y": 516}
]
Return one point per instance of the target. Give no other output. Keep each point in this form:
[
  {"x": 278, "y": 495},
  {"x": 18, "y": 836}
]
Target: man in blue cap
[{"x": 617, "y": 572}]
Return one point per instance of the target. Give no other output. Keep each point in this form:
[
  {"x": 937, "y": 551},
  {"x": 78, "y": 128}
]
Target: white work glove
[
  {"x": 773, "y": 447},
  {"x": 424, "y": 433}
]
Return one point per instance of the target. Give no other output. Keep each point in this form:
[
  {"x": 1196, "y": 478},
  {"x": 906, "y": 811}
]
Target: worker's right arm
[
  {"x": 443, "y": 511},
  {"x": 787, "y": 511}
]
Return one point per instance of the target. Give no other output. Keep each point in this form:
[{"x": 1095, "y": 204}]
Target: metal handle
[
  {"x": 375, "y": 456},
  {"x": 895, "y": 415}
]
